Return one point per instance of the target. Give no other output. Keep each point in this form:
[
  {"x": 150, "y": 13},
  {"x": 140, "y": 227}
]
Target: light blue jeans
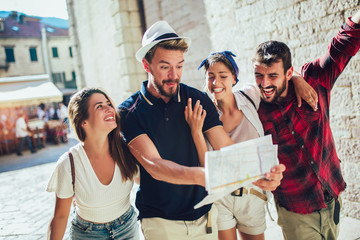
[{"x": 124, "y": 227}]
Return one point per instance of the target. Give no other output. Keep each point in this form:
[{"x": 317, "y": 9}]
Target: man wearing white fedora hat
[{"x": 155, "y": 129}]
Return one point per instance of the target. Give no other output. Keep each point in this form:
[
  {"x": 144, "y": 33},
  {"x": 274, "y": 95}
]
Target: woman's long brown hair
[{"x": 119, "y": 151}]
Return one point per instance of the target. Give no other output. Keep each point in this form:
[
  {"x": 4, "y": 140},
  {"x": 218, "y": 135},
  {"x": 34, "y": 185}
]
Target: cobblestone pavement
[{"x": 26, "y": 208}]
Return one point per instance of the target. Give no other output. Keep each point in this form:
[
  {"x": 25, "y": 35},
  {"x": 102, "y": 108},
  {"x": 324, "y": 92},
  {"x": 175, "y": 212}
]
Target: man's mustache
[
  {"x": 268, "y": 87},
  {"x": 171, "y": 81}
]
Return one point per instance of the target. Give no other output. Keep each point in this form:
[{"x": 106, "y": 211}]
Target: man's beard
[
  {"x": 160, "y": 88},
  {"x": 278, "y": 91}
]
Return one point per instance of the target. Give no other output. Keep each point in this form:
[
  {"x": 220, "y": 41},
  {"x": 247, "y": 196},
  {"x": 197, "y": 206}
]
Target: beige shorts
[
  {"x": 247, "y": 213},
  {"x": 160, "y": 228}
]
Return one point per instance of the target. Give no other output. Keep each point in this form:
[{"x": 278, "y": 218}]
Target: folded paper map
[{"x": 237, "y": 165}]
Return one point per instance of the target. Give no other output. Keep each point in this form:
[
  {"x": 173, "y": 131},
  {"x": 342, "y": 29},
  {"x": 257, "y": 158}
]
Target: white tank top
[
  {"x": 95, "y": 201},
  {"x": 244, "y": 131}
]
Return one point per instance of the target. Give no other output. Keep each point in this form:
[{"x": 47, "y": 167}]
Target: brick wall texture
[{"x": 307, "y": 26}]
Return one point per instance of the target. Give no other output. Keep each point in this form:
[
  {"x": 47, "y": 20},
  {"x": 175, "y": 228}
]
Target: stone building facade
[
  {"x": 22, "y": 65},
  {"x": 107, "y": 35},
  {"x": 27, "y": 47}
]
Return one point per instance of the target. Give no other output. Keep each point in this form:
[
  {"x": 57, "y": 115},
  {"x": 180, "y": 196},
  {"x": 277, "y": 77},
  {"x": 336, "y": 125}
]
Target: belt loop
[
  {"x": 208, "y": 224},
  {"x": 238, "y": 192}
]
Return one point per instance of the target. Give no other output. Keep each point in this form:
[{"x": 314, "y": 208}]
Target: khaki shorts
[
  {"x": 163, "y": 229},
  {"x": 247, "y": 213},
  {"x": 317, "y": 225}
]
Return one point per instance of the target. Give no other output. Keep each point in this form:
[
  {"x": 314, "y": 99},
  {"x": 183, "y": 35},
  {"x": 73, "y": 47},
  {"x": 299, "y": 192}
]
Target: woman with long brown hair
[{"x": 98, "y": 172}]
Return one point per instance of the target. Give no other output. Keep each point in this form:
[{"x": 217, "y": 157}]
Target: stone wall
[
  {"x": 125, "y": 15},
  {"x": 105, "y": 35}
]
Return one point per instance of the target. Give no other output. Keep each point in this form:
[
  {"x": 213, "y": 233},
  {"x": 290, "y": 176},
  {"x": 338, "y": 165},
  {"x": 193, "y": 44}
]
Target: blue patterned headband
[{"x": 228, "y": 55}]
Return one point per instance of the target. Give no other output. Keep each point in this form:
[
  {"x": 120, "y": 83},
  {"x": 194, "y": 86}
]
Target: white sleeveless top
[
  {"x": 250, "y": 126},
  {"x": 243, "y": 132},
  {"x": 95, "y": 201}
]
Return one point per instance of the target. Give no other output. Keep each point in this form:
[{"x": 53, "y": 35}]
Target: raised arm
[
  {"x": 161, "y": 169},
  {"x": 58, "y": 223},
  {"x": 195, "y": 118},
  {"x": 327, "y": 68}
]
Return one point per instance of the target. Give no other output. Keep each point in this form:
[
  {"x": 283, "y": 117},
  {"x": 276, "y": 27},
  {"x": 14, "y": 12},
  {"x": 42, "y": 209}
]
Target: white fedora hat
[{"x": 158, "y": 32}]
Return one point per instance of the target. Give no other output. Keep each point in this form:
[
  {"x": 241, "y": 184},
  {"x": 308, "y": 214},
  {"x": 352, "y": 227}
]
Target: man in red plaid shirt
[{"x": 308, "y": 201}]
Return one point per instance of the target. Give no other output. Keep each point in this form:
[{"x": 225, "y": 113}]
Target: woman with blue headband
[{"x": 244, "y": 209}]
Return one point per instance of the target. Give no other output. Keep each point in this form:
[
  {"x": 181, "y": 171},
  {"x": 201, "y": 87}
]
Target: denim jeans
[
  {"x": 124, "y": 227},
  {"x": 21, "y": 143}
]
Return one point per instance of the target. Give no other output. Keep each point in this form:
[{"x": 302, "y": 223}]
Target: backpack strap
[
  {"x": 72, "y": 170},
  {"x": 243, "y": 93}
]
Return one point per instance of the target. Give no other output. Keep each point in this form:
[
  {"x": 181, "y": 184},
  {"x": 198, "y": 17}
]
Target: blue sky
[{"x": 42, "y": 8}]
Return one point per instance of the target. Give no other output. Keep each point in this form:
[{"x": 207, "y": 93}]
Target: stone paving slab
[{"x": 26, "y": 208}]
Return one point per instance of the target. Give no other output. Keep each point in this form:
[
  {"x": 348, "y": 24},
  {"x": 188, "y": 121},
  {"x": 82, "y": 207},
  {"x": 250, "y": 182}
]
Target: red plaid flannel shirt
[{"x": 306, "y": 145}]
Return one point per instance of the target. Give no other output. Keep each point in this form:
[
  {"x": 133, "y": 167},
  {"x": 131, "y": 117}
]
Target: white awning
[{"x": 28, "y": 92}]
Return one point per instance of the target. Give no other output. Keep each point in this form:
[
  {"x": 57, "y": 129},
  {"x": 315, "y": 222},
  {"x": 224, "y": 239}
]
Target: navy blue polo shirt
[{"x": 165, "y": 124}]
